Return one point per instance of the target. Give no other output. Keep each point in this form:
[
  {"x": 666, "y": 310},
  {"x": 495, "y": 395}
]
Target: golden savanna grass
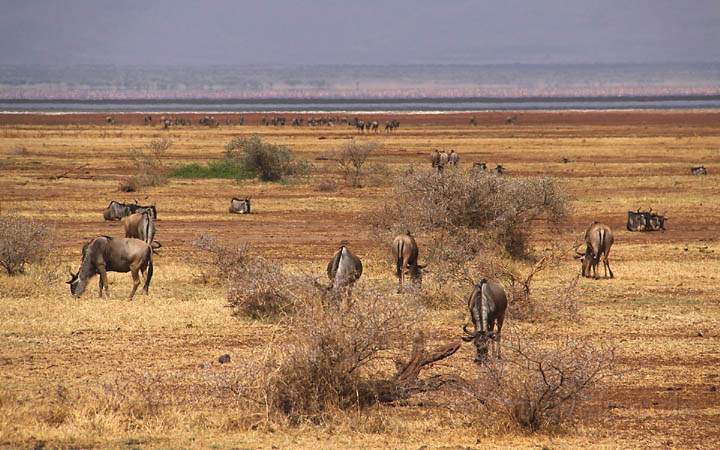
[{"x": 110, "y": 373}]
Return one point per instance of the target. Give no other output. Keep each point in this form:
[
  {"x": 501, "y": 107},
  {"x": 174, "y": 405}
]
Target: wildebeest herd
[{"x": 487, "y": 302}]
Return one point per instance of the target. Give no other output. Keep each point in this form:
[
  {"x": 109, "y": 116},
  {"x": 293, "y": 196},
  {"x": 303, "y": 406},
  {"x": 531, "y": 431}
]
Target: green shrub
[{"x": 225, "y": 169}]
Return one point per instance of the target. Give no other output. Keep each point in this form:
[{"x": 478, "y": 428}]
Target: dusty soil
[{"x": 662, "y": 310}]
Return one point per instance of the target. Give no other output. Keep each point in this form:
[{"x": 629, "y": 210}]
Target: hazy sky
[{"x": 358, "y": 31}]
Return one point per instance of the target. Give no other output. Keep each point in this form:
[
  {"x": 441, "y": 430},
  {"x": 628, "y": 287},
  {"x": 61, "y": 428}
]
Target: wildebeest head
[
  {"x": 482, "y": 341},
  {"x": 115, "y": 211},
  {"x": 74, "y": 282}
]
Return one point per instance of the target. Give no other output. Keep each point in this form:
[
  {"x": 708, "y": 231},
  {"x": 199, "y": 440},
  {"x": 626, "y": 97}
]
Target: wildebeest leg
[
  {"x": 103, "y": 281},
  {"x": 606, "y": 262},
  {"x": 136, "y": 280},
  {"x": 500, "y": 321}
]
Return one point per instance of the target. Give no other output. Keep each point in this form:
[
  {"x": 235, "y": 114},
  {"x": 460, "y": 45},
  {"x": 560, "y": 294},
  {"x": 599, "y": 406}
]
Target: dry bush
[
  {"x": 256, "y": 287},
  {"x": 19, "y": 151},
  {"x": 23, "y": 242},
  {"x": 327, "y": 186},
  {"x": 332, "y": 356},
  {"x": 352, "y": 158},
  {"x": 149, "y": 166},
  {"x": 538, "y": 387},
  {"x": 457, "y": 202}
]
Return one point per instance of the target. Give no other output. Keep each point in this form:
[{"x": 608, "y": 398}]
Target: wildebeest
[
  {"x": 511, "y": 120},
  {"x": 435, "y": 158},
  {"x": 240, "y": 206},
  {"x": 374, "y": 126},
  {"x": 443, "y": 161},
  {"x": 453, "y": 158},
  {"x": 473, "y": 121},
  {"x": 487, "y": 305},
  {"x": 598, "y": 241},
  {"x": 116, "y": 210},
  {"x": 699, "y": 170},
  {"x": 344, "y": 269},
  {"x": 645, "y": 221},
  {"x": 139, "y": 225},
  {"x": 405, "y": 254},
  {"x": 105, "y": 254},
  {"x": 499, "y": 170},
  {"x": 390, "y": 125},
  {"x": 360, "y": 125},
  {"x": 110, "y": 120},
  {"x": 480, "y": 165},
  {"x": 147, "y": 119}
]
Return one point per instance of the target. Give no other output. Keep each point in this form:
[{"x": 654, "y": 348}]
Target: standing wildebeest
[
  {"x": 473, "y": 121},
  {"x": 442, "y": 160},
  {"x": 360, "y": 125},
  {"x": 374, "y": 126},
  {"x": 344, "y": 269},
  {"x": 116, "y": 210},
  {"x": 499, "y": 170},
  {"x": 139, "y": 225},
  {"x": 453, "y": 158},
  {"x": 487, "y": 305},
  {"x": 512, "y": 120},
  {"x": 699, "y": 170},
  {"x": 105, "y": 254},
  {"x": 405, "y": 253},
  {"x": 240, "y": 206},
  {"x": 598, "y": 240},
  {"x": 390, "y": 125},
  {"x": 435, "y": 158},
  {"x": 147, "y": 119},
  {"x": 645, "y": 221}
]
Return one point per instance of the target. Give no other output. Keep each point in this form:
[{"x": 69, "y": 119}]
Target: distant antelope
[{"x": 699, "y": 170}]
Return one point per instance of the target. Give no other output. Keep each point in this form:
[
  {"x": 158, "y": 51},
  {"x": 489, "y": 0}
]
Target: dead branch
[{"x": 67, "y": 172}]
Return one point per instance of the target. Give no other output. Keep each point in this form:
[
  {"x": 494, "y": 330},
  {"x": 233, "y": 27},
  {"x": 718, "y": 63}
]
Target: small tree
[
  {"x": 22, "y": 242},
  {"x": 270, "y": 162},
  {"x": 352, "y": 157}
]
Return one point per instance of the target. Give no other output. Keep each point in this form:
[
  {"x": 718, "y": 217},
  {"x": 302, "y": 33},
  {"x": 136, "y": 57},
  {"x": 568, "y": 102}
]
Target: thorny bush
[
  {"x": 540, "y": 386},
  {"x": 22, "y": 242}
]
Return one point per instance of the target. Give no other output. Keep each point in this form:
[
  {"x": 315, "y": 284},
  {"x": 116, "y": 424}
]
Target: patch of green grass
[{"x": 214, "y": 169}]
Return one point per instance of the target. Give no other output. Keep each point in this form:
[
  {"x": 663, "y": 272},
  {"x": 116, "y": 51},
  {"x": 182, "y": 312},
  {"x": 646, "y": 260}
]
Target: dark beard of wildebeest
[
  {"x": 598, "y": 242},
  {"x": 140, "y": 226},
  {"x": 105, "y": 254},
  {"x": 116, "y": 210},
  {"x": 487, "y": 305},
  {"x": 240, "y": 206},
  {"x": 405, "y": 253},
  {"x": 344, "y": 269}
]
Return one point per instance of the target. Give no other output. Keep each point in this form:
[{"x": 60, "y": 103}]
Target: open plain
[{"x": 95, "y": 372}]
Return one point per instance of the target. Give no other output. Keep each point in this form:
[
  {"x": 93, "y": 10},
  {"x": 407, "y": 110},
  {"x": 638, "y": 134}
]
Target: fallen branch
[{"x": 67, "y": 172}]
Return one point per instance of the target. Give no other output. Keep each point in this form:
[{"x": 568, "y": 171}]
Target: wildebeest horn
[{"x": 470, "y": 336}]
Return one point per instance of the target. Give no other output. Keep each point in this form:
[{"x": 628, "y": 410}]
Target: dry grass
[{"x": 58, "y": 354}]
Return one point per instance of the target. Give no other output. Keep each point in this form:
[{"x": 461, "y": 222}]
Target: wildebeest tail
[
  {"x": 601, "y": 246},
  {"x": 149, "y": 273},
  {"x": 399, "y": 260}
]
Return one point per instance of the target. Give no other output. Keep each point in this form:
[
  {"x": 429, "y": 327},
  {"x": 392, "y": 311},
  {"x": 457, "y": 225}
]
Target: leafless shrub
[
  {"x": 352, "y": 157},
  {"x": 19, "y": 151},
  {"x": 327, "y": 186},
  {"x": 149, "y": 166},
  {"x": 257, "y": 287},
  {"x": 496, "y": 209},
  {"x": 332, "y": 356},
  {"x": 537, "y": 387},
  {"x": 22, "y": 242}
]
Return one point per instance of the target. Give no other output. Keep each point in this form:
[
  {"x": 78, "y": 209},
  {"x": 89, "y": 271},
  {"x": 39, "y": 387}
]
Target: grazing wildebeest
[
  {"x": 139, "y": 225},
  {"x": 443, "y": 161},
  {"x": 105, "y": 254},
  {"x": 344, "y": 269},
  {"x": 480, "y": 165},
  {"x": 657, "y": 221},
  {"x": 512, "y": 120},
  {"x": 240, "y": 206},
  {"x": 487, "y": 305},
  {"x": 360, "y": 125},
  {"x": 473, "y": 121},
  {"x": 116, "y": 210},
  {"x": 598, "y": 241},
  {"x": 499, "y": 170},
  {"x": 110, "y": 120},
  {"x": 374, "y": 126},
  {"x": 453, "y": 158},
  {"x": 405, "y": 254},
  {"x": 699, "y": 170}
]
